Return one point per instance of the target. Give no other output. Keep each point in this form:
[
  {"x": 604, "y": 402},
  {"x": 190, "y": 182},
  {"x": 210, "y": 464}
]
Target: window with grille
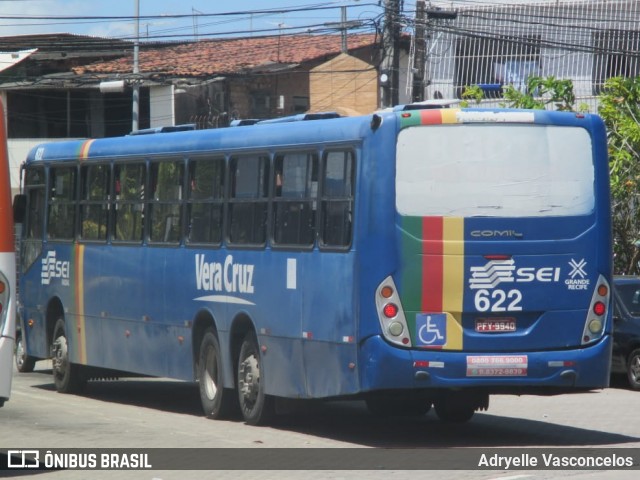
[
  {"x": 615, "y": 55},
  {"x": 493, "y": 63}
]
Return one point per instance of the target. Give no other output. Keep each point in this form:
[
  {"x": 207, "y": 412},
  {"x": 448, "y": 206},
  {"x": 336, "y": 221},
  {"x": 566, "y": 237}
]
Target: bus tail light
[
  {"x": 390, "y": 314},
  {"x": 390, "y": 310},
  {"x": 599, "y": 308},
  {"x": 595, "y": 323}
]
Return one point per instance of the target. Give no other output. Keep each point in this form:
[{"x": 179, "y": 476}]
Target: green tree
[
  {"x": 471, "y": 93},
  {"x": 620, "y": 110},
  {"x": 549, "y": 90}
]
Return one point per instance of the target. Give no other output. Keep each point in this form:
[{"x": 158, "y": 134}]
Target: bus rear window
[{"x": 494, "y": 171}]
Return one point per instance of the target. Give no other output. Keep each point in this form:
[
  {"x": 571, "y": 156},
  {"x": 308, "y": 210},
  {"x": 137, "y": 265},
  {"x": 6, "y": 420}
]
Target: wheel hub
[
  {"x": 249, "y": 378},
  {"x": 635, "y": 368},
  {"x": 210, "y": 380},
  {"x": 20, "y": 352},
  {"x": 60, "y": 357}
]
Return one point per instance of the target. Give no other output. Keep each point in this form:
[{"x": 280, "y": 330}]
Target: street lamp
[{"x": 112, "y": 86}]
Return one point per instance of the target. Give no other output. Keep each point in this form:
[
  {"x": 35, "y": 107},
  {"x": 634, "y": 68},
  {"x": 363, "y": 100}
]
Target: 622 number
[{"x": 498, "y": 301}]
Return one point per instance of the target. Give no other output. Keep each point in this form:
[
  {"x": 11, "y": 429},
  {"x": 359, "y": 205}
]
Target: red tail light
[
  {"x": 390, "y": 310},
  {"x": 599, "y": 308}
]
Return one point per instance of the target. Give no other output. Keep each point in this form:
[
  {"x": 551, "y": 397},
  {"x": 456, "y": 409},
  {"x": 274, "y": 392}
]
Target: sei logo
[
  {"x": 54, "y": 268},
  {"x": 486, "y": 278}
]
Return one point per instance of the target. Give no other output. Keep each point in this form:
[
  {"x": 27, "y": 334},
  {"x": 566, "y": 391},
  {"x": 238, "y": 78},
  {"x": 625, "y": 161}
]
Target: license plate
[{"x": 495, "y": 325}]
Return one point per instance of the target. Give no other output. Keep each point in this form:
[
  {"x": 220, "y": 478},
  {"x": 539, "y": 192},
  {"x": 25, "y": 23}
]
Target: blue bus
[{"x": 412, "y": 258}]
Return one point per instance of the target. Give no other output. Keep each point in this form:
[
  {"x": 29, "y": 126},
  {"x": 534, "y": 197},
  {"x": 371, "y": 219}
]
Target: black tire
[
  {"x": 257, "y": 408},
  {"x": 67, "y": 376},
  {"x": 453, "y": 413},
  {"x": 398, "y": 405},
  {"x": 217, "y": 402},
  {"x": 24, "y": 363},
  {"x": 633, "y": 369}
]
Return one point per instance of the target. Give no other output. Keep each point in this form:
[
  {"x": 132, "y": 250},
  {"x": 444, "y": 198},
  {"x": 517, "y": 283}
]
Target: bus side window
[
  {"x": 248, "y": 200},
  {"x": 165, "y": 203},
  {"x": 33, "y": 227},
  {"x": 128, "y": 211},
  {"x": 94, "y": 198},
  {"x": 336, "y": 198},
  {"x": 61, "y": 198},
  {"x": 295, "y": 195},
  {"x": 205, "y": 200}
]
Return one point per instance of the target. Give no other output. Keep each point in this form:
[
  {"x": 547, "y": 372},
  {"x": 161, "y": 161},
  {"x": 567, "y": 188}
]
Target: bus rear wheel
[
  {"x": 459, "y": 407},
  {"x": 66, "y": 375},
  {"x": 257, "y": 407},
  {"x": 398, "y": 404},
  {"x": 453, "y": 413},
  {"x": 217, "y": 402}
]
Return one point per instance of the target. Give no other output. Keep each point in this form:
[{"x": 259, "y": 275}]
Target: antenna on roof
[{"x": 195, "y": 14}]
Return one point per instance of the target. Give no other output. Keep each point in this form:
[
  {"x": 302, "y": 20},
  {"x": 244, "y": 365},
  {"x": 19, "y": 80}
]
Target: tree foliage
[
  {"x": 541, "y": 92},
  {"x": 620, "y": 110}
]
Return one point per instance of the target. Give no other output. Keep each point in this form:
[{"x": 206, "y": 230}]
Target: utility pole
[
  {"x": 391, "y": 62},
  {"x": 419, "y": 60},
  {"x": 136, "y": 69},
  {"x": 343, "y": 26},
  {"x": 343, "y": 21}
]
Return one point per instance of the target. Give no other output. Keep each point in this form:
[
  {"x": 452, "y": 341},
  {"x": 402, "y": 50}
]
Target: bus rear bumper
[{"x": 384, "y": 367}]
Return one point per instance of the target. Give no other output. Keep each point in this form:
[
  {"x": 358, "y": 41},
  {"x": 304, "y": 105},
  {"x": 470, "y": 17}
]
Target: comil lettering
[{"x": 226, "y": 277}]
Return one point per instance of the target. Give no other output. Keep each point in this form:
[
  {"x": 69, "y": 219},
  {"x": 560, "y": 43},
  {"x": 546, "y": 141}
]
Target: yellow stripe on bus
[
  {"x": 449, "y": 115},
  {"x": 79, "y": 287},
  {"x": 84, "y": 150},
  {"x": 453, "y": 279}
]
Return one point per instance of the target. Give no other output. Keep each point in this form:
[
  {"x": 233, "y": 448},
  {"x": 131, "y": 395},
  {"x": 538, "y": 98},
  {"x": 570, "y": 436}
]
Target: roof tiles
[{"x": 230, "y": 56}]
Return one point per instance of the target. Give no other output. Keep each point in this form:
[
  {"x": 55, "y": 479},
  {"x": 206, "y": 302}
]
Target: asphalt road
[{"x": 138, "y": 414}]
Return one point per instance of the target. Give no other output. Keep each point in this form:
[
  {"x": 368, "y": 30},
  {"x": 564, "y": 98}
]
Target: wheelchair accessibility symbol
[{"x": 431, "y": 329}]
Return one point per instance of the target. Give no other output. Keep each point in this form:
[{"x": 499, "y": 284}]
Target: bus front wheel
[
  {"x": 633, "y": 369},
  {"x": 24, "y": 363},
  {"x": 217, "y": 402},
  {"x": 66, "y": 375},
  {"x": 256, "y": 406}
]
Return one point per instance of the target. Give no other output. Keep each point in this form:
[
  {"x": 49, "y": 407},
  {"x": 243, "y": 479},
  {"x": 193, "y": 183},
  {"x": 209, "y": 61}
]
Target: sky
[
  {"x": 198, "y": 21},
  {"x": 201, "y": 19}
]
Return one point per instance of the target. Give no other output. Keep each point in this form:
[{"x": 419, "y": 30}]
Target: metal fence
[{"x": 497, "y": 44}]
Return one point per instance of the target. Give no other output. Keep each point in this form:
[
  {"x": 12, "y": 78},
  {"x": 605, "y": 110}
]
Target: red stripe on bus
[
  {"x": 432, "y": 264},
  {"x": 430, "y": 117},
  {"x": 6, "y": 210}
]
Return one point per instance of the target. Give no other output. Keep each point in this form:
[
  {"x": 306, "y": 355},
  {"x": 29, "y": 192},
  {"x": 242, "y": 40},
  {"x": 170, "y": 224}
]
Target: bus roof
[{"x": 289, "y": 132}]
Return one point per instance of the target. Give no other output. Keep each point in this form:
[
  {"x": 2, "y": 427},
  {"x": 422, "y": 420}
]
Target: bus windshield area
[{"x": 495, "y": 171}]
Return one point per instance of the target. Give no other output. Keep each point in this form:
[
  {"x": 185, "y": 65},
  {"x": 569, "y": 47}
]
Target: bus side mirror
[{"x": 19, "y": 208}]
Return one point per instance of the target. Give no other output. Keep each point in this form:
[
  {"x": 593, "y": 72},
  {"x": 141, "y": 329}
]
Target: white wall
[{"x": 161, "y": 105}]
